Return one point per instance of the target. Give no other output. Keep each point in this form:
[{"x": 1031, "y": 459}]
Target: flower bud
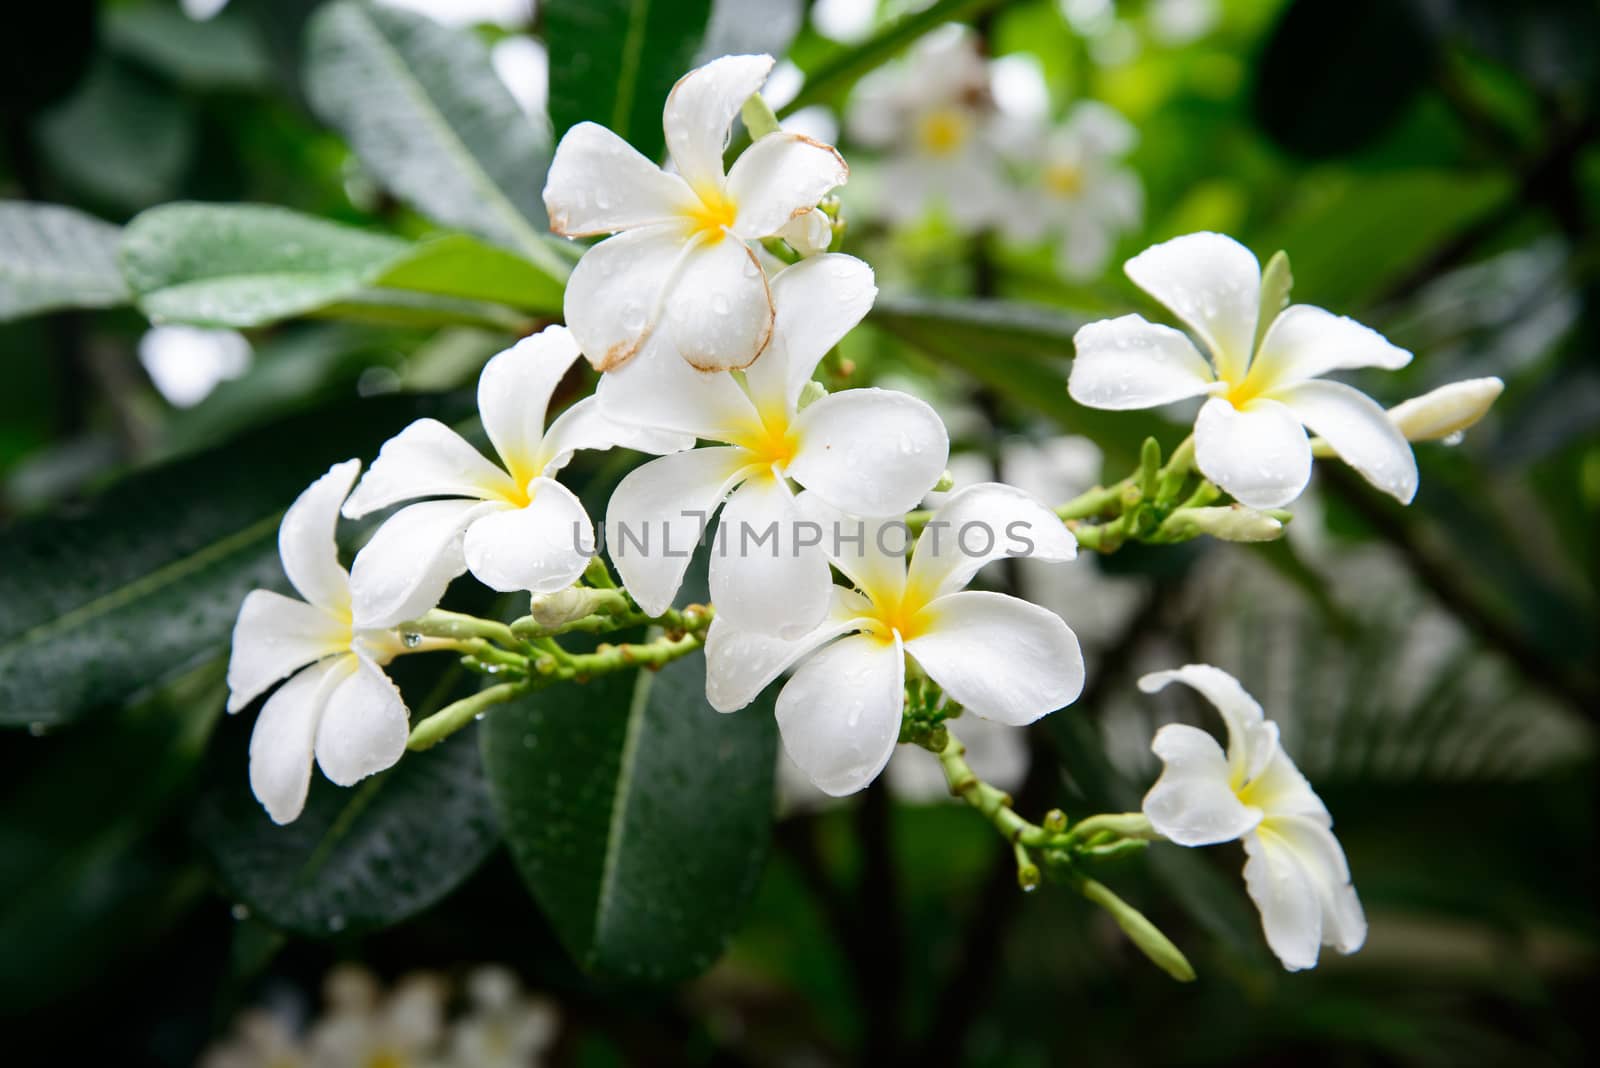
[
  {"x": 1230, "y": 523},
  {"x": 567, "y": 606},
  {"x": 1448, "y": 410},
  {"x": 809, "y": 233}
]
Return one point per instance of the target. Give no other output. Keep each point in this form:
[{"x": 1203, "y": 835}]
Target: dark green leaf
[
  {"x": 422, "y": 107},
  {"x": 462, "y": 266},
  {"x": 243, "y": 264},
  {"x": 616, "y": 60},
  {"x": 56, "y": 257},
  {"x": 357, "y": 859},
  {"x": 147, "y": 577},
  {"x": 220, "y": 52},
  {"x": 638, "y": 816}
]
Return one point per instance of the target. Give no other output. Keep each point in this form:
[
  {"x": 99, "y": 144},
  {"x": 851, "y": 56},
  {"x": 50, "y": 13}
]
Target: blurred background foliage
[{"x": 1431, "y": 166}]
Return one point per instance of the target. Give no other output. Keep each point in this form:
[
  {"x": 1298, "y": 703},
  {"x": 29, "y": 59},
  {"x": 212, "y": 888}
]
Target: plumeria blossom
[
  {"x": 866, "y": 451},
  {"x": 338, "y": 706},
  {"x": 1263, "y": 383},
  {"x": 1082, "y": 194},
  {"x": 933, "y": 114},
  {"x": 1446, "y": 412},
  {"x": 1296, "y": 870},
  {"x": 513, "y": 526},
  {"x": 1000, "y": 657},
  {"x": 679, "y": 263}
]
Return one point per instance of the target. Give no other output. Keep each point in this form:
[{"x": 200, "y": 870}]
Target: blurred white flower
[
  {"x": 523, "y": 66},
  {"x": 503, "y": 1028},
  {"x": 365, "y": 1029},
  {"x": 1177, "y": 22},
  {"x": 1296, "y": 872},
  {"x": 187, "y": 362},
  {"x": 509, "y": 14},
  {"x": 259, "y": 1039},
  {"x": 845, "y": 21},
  {"x": 1263, "y": 384}
]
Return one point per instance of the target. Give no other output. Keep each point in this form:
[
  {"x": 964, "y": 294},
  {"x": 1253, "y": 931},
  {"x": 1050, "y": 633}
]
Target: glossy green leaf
[
  {"x": 147, "y": 577},
  {"x": 425, "y": 112},
  {"x": 56, "y": 257},
  {"x": 461, "y": 266},
  {"x": 243, "y": 265},
  {"x": 357, "y": 859},
  {"x": 638, "y": 816},
  {"x": 222, "y": 52},
  {"x": 618, "y": 59}
]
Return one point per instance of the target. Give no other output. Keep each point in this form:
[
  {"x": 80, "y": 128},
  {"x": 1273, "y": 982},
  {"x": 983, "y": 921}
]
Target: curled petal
[
  {"x": 541, "y": 547},
  {"x": 968, "y": 634},
  {"x": 1359, "y": 430},
  {"x": 364, "y": 725},
  {"x": 1304, "y": 342},
  {"x": 818, "y": 301},
  {"x": 427, "y": 459},
  {"x": 273, "y": 636},
  {"x": 1252, "y": 739},
  {"x": 980, "y": 523},
  {"x": 514, "y": 393},
  {"x": 285, "y": 734},
  {"x": 780, "y": 177},
  {"x": 767, "y": 574},
  {"x": 872, "y": 452},
  {"x": 1297, "y": 876},
  {"x": 1128, "y": 363},
  {"x": 700, "y": 110},
  {"x": 1260, "y": 455},
  {"x": 719, "y": 312},
  {"x": 1213, "y": 284},
  {"x": 600, "y": 184},
  {"x": 306, "y": 539},
  {"x": 403, "y": 571},
  {"x": 616, "y": 292},
  {"x": 1193, "y": 803},
  {"x": 840, "y": 713},
  {"x": 660, "y": 512}
]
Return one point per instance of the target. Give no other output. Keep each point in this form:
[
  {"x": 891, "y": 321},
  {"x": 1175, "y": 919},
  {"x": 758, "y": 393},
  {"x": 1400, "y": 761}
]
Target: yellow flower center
[
  {"x": 386, "y": 1058},
  {"x": 714, "y": 213},
  {"x": 771, "y": 442},
  {"x": 1064, "y": 179},
  {"x": 902, "y": 611},
  {"x": 943, "y": 131}
]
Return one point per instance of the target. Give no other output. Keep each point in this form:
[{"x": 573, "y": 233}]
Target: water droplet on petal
[{"x": 410, "y": 639}]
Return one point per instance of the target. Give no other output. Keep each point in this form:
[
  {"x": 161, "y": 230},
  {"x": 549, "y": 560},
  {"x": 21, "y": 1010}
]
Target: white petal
[
  {"x": 1448, "y": 410},
  {"x": 660, "y": 512},
  {"x": 1001, "y": 657},
  {"x": 1213, "y": 284},
  {"x": 1260, "y": 455},
  {"x": 1129, "y": 363},
  {"x": 1193, "y": 803},
  {"x": 364, "y": 726},
  {"x": 779, "y": 177},
  {"x": 585, "y": 426},
  {"x": 1359, "y": 430},
  {"x": 514, "y": 393},
  {"x": 427, "y": 459},
  {"x": 306, "y": 539},
  {"x": 719, "y": 311},
  {"x": 1286, "y": 896},
  {"x": 1306, "y": 342},
  {"x": 870, "y": 551},
  {"x": 599, "y": 184},
  {"x": 285, "y": 732},
  {"x": 658, "y": 389},
  {"x": 616, "y": 292},
  {"x": 767, "y": 574},
  {"x": 1279, "y": 789},
  {"x": 984, "y": 522},
  {"x": 273, "y": 636},
  {"x": 873, "y": 452},
  {"x": 741, "y": 663},
  {"x": 840, "y": 713},
  {"x": 403, "y": 571},
  {"x": 542, "y": 547},
  {"x": 1252, "y": 739},
  {"x": 700, "y": 111},
  {"x": 809, "y": 233},
  {"x": 818, "y": 301},
  {"x": 1344, "y": 925}
]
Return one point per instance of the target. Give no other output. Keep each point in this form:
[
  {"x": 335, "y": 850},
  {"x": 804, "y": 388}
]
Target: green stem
[
  {"x": 993, "y": 803},
  {"x": 442, "y": 624},
  {"x": 451, "y": 718},
  {"x": 1120, "y": 824},
  {"x": 1144, "y": 934}
]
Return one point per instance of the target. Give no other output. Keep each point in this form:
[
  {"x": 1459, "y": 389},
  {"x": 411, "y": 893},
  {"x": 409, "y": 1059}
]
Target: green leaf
[
  {"x": 616, "y": 61},
  {"x": 750, "y": 27},
  {"x": 56, "y": 257},
  {"x": 1276, "y": 282},
  {"x": 222, "y": 52},
  {"x": 358, "y": 858},
  {"x": 147, "y": 577},
  {"x": 638, "y": 816},
  {"x": 424, "y": 111},
  {"x": 1021, "y": 352},
  {"x": 461, "y": 266},
  {"x": 243, "y": 265}
]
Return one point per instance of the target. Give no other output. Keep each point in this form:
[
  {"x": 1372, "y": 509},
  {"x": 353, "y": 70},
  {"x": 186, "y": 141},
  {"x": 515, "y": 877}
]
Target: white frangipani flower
[
  {"x": 868, "y": 451},
  {"x": 362, "y": 1027},
  {"x": 1081, "y": 194},
  {"x": 1446, "y": 411},
  {"x": 679, "y": 264},
  {"x": 1000, "y": 657},
  {"x": 933, "y": 114},
  {"x": 338, "y": 705},
  {"x": 1296, "y": 872},
  {"x": 514, "y": 527},
  {"x": 1263, "y": 381}
]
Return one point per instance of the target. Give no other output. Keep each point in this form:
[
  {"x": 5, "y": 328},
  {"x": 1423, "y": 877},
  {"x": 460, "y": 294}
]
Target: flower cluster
[{"x": 708, "y": 344}]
